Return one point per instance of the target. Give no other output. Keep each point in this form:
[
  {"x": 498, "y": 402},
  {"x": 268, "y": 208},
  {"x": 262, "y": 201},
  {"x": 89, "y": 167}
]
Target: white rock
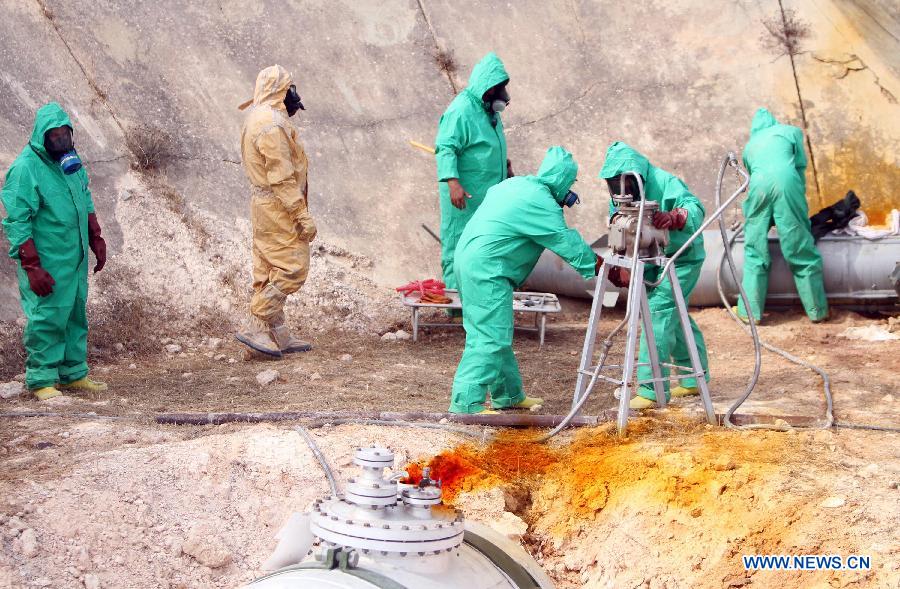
[
  {"x": 346, "y": 358},
  {"x": 91, "y": 581},
  {"x": 19, "y": 377},
  {"x": 535, "y": 408},
  {"x": 173, "y": 348},
  {"x": 231, "y": 360},
  {"x": 889, "y": 398},
  {"x": 267, "y": 377},
  {"x": 132, "y": 366},
  {"x": 389, "y": 337},
  {"x": 214, "y": 343},
  {"x": 206, "y": 548},
  {"x": 221, "y": 357},
  {"x": 119, "y": 347},
  {"x": 166, "y": 340},
  {"x": 402, "y": 335},
  {"x": 12, "y": 389},
  {"x": 233, "y": 378},
  {"x": 833, "y": 502},
  {"x": 187, "y": 374},
  {"x": 510, "y": 525},
  {"x": 869, "y": 333},
  {"x": 315, "y": 376},
  {"x": 29, "y": 543}
]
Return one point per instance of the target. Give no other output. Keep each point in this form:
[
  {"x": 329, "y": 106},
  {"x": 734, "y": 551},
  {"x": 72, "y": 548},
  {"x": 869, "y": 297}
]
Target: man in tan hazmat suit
[{"x": 276, "y": 166}]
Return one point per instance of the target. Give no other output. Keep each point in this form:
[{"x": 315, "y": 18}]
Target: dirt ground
[{"x": 127, "y": 503}]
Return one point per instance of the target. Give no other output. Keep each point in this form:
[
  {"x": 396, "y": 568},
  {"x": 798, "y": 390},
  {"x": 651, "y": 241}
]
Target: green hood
[
  {"x": 763, "y": 119},
  {"x": 558, "y": 172},
  {"x": 49, "y": 116},
  {"x": 486, "y": 74},
  {"x": 622, "y": 158}
]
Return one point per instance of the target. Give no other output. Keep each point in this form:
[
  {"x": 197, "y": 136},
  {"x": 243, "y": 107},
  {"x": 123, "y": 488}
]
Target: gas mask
[
  {"x": 570, "y": 199},
  {"x": 499, "y": 105},
  {"x": 61, "y": 148},
  {"x": 292, "y": 101}
]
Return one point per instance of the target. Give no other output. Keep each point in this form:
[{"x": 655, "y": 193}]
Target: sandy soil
[{"x": 126, "y": 503}]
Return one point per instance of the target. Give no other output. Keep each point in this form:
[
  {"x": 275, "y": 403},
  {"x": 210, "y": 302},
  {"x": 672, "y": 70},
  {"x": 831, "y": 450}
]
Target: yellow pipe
[{"x": 421, "y": 146}]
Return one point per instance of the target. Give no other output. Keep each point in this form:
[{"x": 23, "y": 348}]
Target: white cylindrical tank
[{"x": 379, "y": 534}]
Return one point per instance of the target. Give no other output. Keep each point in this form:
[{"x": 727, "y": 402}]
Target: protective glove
[
  {"x": 597, "y": 265},
  {"x": 674, "y": 219},
  {"x": 97, "y": 243},
  {"x": 619, "y": 276},
  {"x": 509, "y": 169},
  {"x": 306, "y": 227},
  {"x": 39, "y": 280}
]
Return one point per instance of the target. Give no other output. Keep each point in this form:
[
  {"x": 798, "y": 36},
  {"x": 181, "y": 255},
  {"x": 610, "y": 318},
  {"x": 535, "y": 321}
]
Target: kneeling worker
[
  {"x": 499, "y": 247},
  {"x": 681, "y": 213}
]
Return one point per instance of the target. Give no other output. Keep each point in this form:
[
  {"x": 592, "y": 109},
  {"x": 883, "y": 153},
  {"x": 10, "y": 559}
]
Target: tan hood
[{"x": 272, "y": 85}]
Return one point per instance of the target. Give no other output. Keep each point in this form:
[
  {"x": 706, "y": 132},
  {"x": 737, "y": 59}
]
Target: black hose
[{"x": 320, "y": 457}]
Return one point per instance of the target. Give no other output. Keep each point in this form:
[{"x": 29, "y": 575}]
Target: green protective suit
[
  {"x": 776, "y": 161},
  {"x": 497, "y": 251},
  {"x": 471, "y": 147},
  {"x": 671, "y": 193},
  {"x": 52, "y": 208}
]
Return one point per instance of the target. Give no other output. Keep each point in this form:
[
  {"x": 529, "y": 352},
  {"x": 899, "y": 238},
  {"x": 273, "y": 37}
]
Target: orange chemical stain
[
  {"x": 509, "y": 458},
  {"x": 568, "y": 486}
]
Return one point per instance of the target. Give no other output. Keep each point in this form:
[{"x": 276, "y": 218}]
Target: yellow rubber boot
[
  {"x": 487, "y": 412},
  {"x": 85, "y": 384},
  {"x": 527, "y": 403},
  {"x": 680, "y": 391},
  {"x": 45, "y": 393},
  {"x": 639, "y": 403},
  {"x": 741, "y": 317}
]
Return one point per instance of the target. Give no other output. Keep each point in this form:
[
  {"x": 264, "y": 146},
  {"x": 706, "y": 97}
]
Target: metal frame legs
[{"x": 637, "y": 314}]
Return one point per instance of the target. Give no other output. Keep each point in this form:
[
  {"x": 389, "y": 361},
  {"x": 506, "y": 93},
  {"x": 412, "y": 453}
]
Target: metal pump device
[
  {"x": 624, "y": 228},
  {"x": 384, "y": 533}
]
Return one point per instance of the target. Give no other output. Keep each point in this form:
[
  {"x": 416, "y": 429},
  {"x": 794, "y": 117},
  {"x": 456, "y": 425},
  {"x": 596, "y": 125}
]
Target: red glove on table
[
  {"x": 674, "y": 219},
  {"x": 97, "y": 243},
  {"x": 39, "y": 280},
  {"x": 620, "y": 276}
]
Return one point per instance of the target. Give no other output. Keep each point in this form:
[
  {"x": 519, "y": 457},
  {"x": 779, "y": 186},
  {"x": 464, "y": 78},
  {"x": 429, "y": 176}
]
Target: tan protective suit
[{"x": 276, "y": 166}]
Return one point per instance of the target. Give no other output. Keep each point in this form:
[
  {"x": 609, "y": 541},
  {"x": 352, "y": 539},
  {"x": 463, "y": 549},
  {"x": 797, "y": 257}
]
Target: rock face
[{"x": 683, "y": 92}]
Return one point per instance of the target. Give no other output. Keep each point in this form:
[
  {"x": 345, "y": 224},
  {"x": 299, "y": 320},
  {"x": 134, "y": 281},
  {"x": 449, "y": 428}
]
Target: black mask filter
[{"x": 292, "y": 101}]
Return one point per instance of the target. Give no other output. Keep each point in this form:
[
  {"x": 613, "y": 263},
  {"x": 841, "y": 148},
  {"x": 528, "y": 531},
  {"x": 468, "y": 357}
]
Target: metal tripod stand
[{"x": 637, "y": 314}]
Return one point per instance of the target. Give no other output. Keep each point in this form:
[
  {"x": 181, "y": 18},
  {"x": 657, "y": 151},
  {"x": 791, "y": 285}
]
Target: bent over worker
[
  {"x": 681, "y": 213},
  {"x": 50, "y": 225},
  {"x": 276, "y": 166},
  {"x": 518, "y": 219},
  {"x": 470, "y": 149},
  {"x": 776, "y": 161}
]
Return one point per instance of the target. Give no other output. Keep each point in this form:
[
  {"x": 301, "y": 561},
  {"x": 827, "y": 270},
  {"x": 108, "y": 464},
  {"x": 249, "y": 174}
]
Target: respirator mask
[
  {"x": 292, "y": 101},
  {"x": 570, "y": 199},
  {"x": 61, "y": 148}
]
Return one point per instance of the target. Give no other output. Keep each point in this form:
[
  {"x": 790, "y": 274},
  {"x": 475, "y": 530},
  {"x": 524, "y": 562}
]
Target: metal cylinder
[{"x": 857, "y": 272}]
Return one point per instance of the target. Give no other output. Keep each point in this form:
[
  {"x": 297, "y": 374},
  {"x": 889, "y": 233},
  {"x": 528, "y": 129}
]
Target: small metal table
[{"x": 537, "y": 303}]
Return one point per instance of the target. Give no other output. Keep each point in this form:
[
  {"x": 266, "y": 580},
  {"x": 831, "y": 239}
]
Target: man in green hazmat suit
[
  {"x": 681, "y": 213},
  {"x": 50, "y": 223},
  {"x": 470, "y": 150},
  {"x": 775, "y": 158},
  {"x": 499, "y": 247}
]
